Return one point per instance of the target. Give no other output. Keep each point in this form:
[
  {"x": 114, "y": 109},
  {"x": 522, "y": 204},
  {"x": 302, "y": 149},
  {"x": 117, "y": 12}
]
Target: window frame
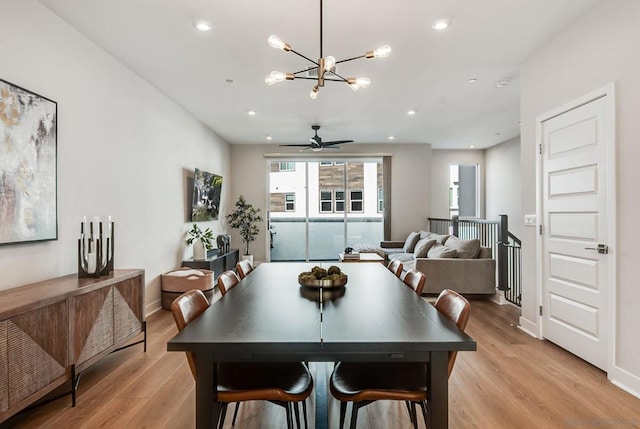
[
  {"x": 286, "y": 164},
  {"x": 337, "y": 200},
  {"x": 325, "y": 201},
  {"x": 292, "y": 202},
  {"x": 356, "y": 200}
]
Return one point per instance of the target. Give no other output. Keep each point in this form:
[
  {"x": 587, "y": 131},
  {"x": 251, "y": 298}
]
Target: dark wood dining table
[{"x": 269, "y": 317}]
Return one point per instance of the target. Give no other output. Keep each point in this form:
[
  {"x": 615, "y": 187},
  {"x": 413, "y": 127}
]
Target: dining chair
[
  {"x": 395, "y": 266},
  {"x": 415, "y": 280},
  {"x": 283, "y": 384},
  {"x": 363, "y": 383},
  {"x": 227, "y": 280},
  {"x": 243, "y": 268}
]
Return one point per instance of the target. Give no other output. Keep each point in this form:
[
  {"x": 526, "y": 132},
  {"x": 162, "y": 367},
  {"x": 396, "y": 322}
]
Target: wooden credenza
[{"x": 52, "y": 330}]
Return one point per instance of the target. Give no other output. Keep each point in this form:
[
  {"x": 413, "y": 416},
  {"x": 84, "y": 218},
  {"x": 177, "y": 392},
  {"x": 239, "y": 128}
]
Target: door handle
[{"x": 602, "y": 248}]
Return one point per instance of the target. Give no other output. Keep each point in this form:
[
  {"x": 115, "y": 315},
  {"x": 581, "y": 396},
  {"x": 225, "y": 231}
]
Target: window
[
  {"x": 325, "y": 163},
  {"x": 380, "y": 200},
  {"x": 355, "y": 199},
  {"x": 463, "y": 190},
  {"x": 289, "y": 202},
  {"x": 339, "y": 200},
  {"x": 287, "y": 166},
  {"x": 326, "y": 202}
]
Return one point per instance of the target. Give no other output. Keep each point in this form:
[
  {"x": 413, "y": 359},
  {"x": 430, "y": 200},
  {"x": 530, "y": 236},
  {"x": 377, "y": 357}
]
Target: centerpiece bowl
[{"x": 321, "y": 278}]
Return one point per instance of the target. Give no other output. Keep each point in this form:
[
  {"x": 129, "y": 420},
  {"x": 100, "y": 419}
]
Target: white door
[{"x": 575, "y": 154}]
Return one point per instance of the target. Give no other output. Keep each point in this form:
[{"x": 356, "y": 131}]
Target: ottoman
[{"x": 177, "y": 282}]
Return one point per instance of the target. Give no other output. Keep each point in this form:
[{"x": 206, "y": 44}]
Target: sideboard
[
  {"x": 218, "y": 263},
  {"x": 52, "y": 330}
]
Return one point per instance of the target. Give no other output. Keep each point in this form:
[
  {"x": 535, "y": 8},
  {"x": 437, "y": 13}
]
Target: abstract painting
[
  {"x": 207, "y": 188},
  {"x": 28, "y": 144}
]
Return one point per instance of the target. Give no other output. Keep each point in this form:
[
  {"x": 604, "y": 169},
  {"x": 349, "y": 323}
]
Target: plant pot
[
  {"x": 248, "y": 258},
  {"x": 199, "y": 251}
]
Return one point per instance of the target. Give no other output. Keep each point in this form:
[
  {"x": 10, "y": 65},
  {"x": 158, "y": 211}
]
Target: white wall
[
  {"x": 596, "y": 50},
  {"x": 410, "y": 193},
  {"x": 503, "y": 183},
  {"x": 440, "y": 162},
  {"x": 124, "y": 149}
]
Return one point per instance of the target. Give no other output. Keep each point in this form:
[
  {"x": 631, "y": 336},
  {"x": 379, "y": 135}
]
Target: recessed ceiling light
[
  {"x": 472, "y": 146},
  {"x": 502, "y": 83},
  {"x": 251, "y": 112},
  {"x": 411, "y": 112},
  {"x": 203, "y": 25},
  {"x": 440, "y": 24},
  {"x": 391, "y": 137},
  {"x": 269, "y": 138},
  {"x": 472, "y": 80}
]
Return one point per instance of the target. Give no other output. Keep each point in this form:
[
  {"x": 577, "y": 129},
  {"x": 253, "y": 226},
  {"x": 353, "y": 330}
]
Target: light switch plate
[{"x": 530, "y": 220}]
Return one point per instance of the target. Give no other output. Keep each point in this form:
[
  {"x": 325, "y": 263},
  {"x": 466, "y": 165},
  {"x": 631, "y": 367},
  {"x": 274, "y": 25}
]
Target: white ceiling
[{"x": 427, "y": 70}]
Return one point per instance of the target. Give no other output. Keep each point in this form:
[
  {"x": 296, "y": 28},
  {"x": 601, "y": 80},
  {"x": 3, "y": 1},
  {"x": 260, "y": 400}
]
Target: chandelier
[{"x": 324, "y": 67}]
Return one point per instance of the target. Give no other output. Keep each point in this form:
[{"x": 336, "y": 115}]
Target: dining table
[{"x": 270, "y": 317}]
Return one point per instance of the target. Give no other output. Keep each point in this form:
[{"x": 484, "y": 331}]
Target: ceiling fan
[{"x": 316, "y": 144}]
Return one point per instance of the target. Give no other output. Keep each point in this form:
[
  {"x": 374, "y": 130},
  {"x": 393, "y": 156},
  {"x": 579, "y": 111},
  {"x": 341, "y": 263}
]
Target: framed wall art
[{"x": 28, "y": 166}]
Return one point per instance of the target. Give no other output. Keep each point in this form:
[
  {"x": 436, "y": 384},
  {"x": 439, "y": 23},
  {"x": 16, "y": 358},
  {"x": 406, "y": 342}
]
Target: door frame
[{"x": 608, "y": 93}]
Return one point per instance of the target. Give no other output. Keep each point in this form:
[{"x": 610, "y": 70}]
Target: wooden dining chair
[
  {"x": 395, "y": 266},
  {"x": 283, "y": 384},
  {"x": 243, "y": 268},
  {"x": 226, "y": 281},
  {"x": 363, "y": 383},
  {"x": 415, "y": 280}
]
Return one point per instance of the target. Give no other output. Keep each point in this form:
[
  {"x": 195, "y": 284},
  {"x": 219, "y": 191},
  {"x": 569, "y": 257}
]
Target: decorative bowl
[{"x": 323, "y": 283}]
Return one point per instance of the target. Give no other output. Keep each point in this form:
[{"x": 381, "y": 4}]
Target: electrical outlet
[{"x": 530, "y": 220}]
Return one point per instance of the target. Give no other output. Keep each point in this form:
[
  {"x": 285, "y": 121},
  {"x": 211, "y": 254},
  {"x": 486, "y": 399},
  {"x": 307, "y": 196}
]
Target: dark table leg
[
  {"x": 206, "y": 396},
  {"x": 322, "y": 404},
  {"x": 438, "y": 386}
]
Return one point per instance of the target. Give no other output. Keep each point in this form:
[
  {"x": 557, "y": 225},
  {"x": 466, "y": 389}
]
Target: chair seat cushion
[
  {"x": 289, "y": 381},
  {"x": 358, "y": 381}
]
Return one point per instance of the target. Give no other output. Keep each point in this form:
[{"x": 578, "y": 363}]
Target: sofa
[{"x": 447, "y": 261}]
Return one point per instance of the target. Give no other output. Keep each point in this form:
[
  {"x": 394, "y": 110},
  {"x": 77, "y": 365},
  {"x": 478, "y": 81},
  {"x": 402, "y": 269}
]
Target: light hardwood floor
[{"x": 512, "y": 381}]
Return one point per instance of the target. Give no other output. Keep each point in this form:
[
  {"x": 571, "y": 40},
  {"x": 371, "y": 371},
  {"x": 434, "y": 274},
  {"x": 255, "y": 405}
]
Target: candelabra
[{"x": 95, "y": 248}]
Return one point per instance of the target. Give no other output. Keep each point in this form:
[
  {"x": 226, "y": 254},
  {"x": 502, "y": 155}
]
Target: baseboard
[
  {"x": 625, "y": 380},
  {"x": 152, "y": 307},
  {"x": 528, "y": 327},
  {"x": 498, "y": 298}
]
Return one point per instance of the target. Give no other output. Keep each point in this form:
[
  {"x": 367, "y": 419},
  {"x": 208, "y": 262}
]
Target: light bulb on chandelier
[{"x": 324, "y": 67}]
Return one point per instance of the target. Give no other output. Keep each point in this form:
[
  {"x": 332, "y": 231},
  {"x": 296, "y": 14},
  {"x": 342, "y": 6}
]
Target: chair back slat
[
  {"x": 185, "y": 309},
  {"x": 415, "y": 280},
  {"x": 226, "y": 281},
  {"x": 395, "y": 266},
  {"x": 455, "y": 307},
  {"x": 243, "y": 268}
]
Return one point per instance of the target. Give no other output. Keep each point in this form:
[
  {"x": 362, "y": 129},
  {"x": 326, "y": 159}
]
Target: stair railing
[{"x": 505, "y": 247}]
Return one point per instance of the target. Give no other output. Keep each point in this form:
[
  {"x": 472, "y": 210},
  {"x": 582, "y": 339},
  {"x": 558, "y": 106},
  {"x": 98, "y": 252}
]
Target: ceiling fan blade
[{"x": 336, "y": 142}]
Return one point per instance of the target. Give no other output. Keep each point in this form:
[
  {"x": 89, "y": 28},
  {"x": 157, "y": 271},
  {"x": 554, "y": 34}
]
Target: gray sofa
[{"x": 447, "y": 261}]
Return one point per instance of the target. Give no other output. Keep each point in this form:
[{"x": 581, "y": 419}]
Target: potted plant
[
  {"x": 201, "y": 240},
  {"x": 245, "y": 218}
]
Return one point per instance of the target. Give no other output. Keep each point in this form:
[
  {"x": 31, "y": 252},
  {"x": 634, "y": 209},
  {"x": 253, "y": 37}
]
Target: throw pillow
[
  {"x": 422, "y": 247},
  {"x": 467, "y": 249},
  {"x": 410, "y": 242},
  {"x": 440, "y": 239},
  {"x": 440, "y": 251},
  {"x": 425, "y": 234}
]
